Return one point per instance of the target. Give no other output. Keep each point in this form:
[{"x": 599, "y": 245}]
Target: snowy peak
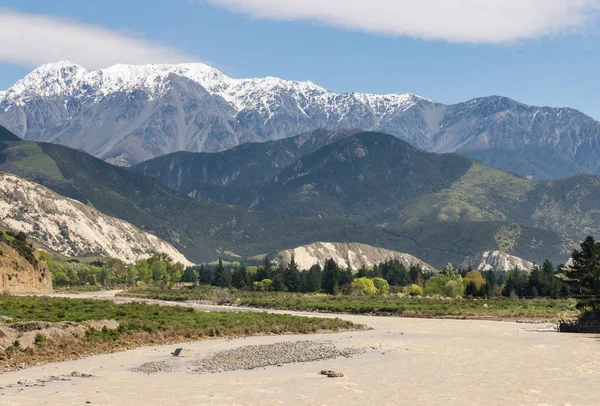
[{"x": 130, "y": 113}]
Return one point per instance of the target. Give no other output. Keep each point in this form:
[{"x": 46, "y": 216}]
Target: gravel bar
[{"x": 259, "y": 356}]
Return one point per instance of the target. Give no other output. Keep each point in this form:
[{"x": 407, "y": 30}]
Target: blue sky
[{"x": 543, "y": 58}]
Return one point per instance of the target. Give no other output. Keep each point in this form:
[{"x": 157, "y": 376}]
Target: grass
[
  {"x": 393, "y": 305},
  {"x": 142, "y": 324},
  {"x": 30, "y": 159}
]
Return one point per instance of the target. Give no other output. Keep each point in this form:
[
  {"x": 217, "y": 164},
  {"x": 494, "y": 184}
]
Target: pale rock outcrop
[
  {"x": 71, "y": 228},
  {"x": 354, "y": 255},
  {"x": 496, "y": 261}
]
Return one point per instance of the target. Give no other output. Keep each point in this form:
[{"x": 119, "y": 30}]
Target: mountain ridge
[
  {"x": 127, "y": 114},
  {"x": 205, "y": 231}
]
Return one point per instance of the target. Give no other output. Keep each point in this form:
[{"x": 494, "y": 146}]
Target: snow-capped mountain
[{"x": 126, "y": 114}]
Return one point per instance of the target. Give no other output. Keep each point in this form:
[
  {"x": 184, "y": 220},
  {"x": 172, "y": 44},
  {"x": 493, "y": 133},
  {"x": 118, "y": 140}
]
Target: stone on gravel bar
[{"x": 182, "y": 352}]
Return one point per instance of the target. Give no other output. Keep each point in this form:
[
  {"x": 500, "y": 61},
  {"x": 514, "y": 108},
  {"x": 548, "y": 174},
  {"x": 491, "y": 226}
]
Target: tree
[
  {"x": 160, "y": 276},
  {"x": 449, "y": 271},
  {"x": 264, "y": 271},
  {"x": 143, "y": 270},
  {"x": 225, "y": 279},
  {"x": 450, "y": 285},
  {"x": 363, "y": 287},
  {"x": 266, "y": 285},
  {"x": 190, "y": 275},
  {"x": 516, "y": 283},
  {"x": 474, "y": 283},
  {"x": 396, "y": 274},
  {"x": 416, "y": 275},
  {"x": 239, "y": 277},
  {"x": 218, "y": 272},
  {"x": 583, "y": 276},
  {"x": 291, "y": 277},
  {"x": 205, "y": 275},
  {"x": 381, "y": 285},
  {"x": 314, "y": 279},
  {"x": 331, "y": 277}
]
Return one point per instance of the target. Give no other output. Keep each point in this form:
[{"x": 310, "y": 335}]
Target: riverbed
[{"x": 402, "y": 361}]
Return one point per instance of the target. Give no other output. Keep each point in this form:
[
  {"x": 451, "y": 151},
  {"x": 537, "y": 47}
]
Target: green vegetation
[
  {"x": 142, "y": 324},
  {"x": 19, "y": 242},
  {"x": 446, "y": 187},
  {"x": 158, "y": 270},
  {"x": 415, "y": 306},
  {"x": 391, "y": 304}
]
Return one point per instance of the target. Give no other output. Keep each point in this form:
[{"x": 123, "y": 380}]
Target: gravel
[
  {"x": 154, "y": 367},
  {"x": 259, "y": 356}
]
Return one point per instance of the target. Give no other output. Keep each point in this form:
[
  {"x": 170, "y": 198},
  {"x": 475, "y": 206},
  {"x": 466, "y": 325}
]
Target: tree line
[{"x": 540, "y": 281}]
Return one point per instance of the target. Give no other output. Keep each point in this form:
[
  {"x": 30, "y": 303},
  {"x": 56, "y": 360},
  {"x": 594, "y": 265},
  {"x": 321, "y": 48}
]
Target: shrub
[
  {"x": 382, "y": 286},
  {"x": 266, "y": 285},
  {"x": 40, "y": 340},
  {"x": 363, "y": 287},
  {"x": 414, "y": 290},
  {"x": 445, "y": 285}
]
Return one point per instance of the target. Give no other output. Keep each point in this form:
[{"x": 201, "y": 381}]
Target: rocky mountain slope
[
  {"x": 128, "y": 114},
  {"x": 71, "y": 228},
  {"x": 346, "y": 255},
  {"x": 496, "y": 261}
]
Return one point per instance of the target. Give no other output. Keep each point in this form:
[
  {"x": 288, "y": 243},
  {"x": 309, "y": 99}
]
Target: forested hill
[{"x": 204, "y": 231}]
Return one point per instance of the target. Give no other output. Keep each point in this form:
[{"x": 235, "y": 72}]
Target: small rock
[
  {"x": 182, "y": 352},
  {"x": 333, "y": 374}
]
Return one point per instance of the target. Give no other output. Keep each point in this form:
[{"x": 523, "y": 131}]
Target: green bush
[
  {"x": 266, "y": 285},
  {"x": 40, "y": 340},
  {"x": 383, "y": 287},
  {"x": 363, "y": 287},
  {"x": 445, "y": 285},
  {"x": 414, "y": 290}
]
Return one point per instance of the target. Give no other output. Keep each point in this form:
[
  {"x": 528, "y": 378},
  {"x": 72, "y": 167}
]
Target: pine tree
[
  {"x": 225, "y": 279},
  {"x": 291, "y": 277},
  {"x": 314, "y": 279},
  {"x": 265, "y": 271},
  {"x": 218, "y": 273},
  {"x": 331, "y": 277},
  {"x": 205, "y": 276},
  {"x": 239, "y": 277},
  {"x": 584, "y": 275}
]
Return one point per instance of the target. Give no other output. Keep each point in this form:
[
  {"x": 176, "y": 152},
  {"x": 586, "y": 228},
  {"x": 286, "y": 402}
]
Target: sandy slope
[{"x": 410, "y": 361}]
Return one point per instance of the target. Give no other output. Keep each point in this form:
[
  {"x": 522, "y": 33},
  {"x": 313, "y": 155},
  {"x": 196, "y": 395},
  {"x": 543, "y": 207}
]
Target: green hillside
[
  {"x": 385, "y": 181},
  {"x": 203, "y": 230}
]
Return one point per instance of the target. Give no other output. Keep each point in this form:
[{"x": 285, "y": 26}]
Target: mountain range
[
  {"x": 203, "y": 231},
  {"x": 380, "y": 179},
  {"x": 127, "y": 114}
]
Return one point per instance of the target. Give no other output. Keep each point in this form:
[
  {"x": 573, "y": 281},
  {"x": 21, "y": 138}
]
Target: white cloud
[
  {"x": 470, "y": 21},
  {"x": 33, "y": 39}
]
